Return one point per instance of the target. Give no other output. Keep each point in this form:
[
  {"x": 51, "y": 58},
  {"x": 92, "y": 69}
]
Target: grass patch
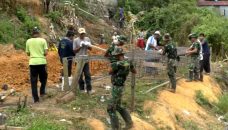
[
  {"x": 81, "y": 125},
  {"x": 32, "y": 121},
  {"x": 190, "y": 125},
  {"x": 140, "y": 97},
  {"x": 222, "y": 104},
  {"x": 202, "y": 100}
]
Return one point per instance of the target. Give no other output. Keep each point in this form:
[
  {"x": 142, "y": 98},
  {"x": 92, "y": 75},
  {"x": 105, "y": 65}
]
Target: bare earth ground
[{"x": 164, "y": 113}]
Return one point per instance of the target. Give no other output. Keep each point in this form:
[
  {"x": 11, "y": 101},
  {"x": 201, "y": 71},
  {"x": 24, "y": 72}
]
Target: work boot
[
  {"x": 127, "y": 118},
  {"x": 188, "y": 80},
  {"x": 190, "y": 77},
  {"x": 128, "y": 126},
  {"x": 172, "y": 90},
  {"x": 201, "y": 77},
  {"x": 115, "y": 123}
]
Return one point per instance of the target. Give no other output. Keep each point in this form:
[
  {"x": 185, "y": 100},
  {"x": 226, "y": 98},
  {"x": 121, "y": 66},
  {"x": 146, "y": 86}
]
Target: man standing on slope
[
  {"x": 119, "y": 72},
  {"x": 194, "y": 52},
  {"x": 65, "y": 49},
  {"x": 81, "y": 46},
  {"x": 171, "y": 51},
  {"x": 36, "y": 48}
]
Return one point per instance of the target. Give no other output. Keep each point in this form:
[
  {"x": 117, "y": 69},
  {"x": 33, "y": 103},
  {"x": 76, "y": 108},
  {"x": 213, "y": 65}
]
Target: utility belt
[{"x": 117, "y": 86}]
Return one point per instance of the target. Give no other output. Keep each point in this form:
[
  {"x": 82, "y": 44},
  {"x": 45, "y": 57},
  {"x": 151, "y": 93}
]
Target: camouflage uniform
[
  {"x": 114, "y": 46},
  {"x": 120, "y": 71},
  {"x": 110, "y": 51},
  {"x": 194, "y": 66},
  {"x": 171, "y": 51}
]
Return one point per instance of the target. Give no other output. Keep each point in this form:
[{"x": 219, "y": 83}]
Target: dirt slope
[
  {"x": 182, "y": 106},
  {"x": 15, "y": 69}
]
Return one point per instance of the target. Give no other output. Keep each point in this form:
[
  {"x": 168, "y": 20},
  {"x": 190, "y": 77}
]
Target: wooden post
[
  {"x": 133, "y": 75},
  {"x": 65, "y": 74},
  {"x": 77, "y": 74}
]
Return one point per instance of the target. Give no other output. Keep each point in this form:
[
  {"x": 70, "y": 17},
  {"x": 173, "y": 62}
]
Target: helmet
[
  {"x": 117, "y": 51},
  {"x": 122, "y": 38},
  {"x": 192, "y": 35}
]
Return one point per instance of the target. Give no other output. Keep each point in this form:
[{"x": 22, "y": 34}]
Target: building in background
[{"x": 221, "y": 6}]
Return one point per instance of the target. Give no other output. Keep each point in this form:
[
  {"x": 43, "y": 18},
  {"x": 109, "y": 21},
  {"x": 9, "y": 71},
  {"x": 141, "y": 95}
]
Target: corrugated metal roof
[{"x": 212, "y": 3}]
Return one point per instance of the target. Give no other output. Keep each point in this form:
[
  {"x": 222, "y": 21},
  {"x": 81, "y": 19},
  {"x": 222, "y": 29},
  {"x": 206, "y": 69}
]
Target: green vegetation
[
  {"x": 190, "y": 125},
  {"x": 12, "y": 31},
  {"x": 140, "y": 97},
  {"x": 28, "y": 21},
  {"x": 32, "y": 121},
  {"x": 222, "y": 105},
  {"x": 201, "y": 99},
  {"x": 55, "y": 16},
  {"x": 180, "y": 18},
  {"x": 136, "y": 6}
]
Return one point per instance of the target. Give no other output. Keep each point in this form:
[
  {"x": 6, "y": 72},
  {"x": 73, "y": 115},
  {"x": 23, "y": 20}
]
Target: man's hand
[
  {"x": 110, "y": 71},
  {"x": 133, "y": 71}
]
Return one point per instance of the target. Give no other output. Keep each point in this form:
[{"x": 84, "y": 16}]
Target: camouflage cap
[
  {"x": 117, "y": 51},
  {"x": 192, "y": 35},
  {"x": 122, "y": 38},
  {"x": 167, "y": 37}
]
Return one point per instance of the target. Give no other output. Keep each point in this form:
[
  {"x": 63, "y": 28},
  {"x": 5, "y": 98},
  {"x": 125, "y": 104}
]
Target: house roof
[{"x": 212, "y": 3}]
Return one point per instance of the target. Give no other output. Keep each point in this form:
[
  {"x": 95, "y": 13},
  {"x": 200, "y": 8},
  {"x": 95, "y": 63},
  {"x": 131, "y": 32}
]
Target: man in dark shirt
[
  {"x": 65, "y": 49},
  {"x": 206, "y": 54}
]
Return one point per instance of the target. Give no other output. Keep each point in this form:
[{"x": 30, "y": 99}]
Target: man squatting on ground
[
  {"x": 37, "y": 48},
  {"x": 119, "y": 72}
]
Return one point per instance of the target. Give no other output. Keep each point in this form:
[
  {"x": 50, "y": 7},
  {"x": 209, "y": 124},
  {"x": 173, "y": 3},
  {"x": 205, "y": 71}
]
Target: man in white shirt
[
  {"x": 152, "y": 41},
  {"x": 115, "y": 38},
  {"x": 81, "y": 46}
]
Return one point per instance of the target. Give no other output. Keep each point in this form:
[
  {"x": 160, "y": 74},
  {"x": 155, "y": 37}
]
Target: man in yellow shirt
[{"x": 36, "y": 49}]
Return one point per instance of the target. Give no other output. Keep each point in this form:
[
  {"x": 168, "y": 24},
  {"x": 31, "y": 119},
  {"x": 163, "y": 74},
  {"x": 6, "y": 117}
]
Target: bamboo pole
[
  {"x": 160, "y": 85},
  {"x": 133, "y": 75}
]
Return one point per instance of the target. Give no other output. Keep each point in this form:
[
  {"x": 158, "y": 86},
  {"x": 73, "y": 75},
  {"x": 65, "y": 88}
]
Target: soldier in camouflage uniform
[
  {"x": 119, "y": 72},
  {"x": 121, "y": 40},
  {"x": 194, "y": 52},
  {"x": 171, "y": 51}
]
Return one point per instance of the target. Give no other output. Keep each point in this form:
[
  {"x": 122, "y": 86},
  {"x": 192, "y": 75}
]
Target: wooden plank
[
  {"x": 65, "y": 74},
  {"x": 77, "y": 74},
  {"x": 153, "y": 64}
]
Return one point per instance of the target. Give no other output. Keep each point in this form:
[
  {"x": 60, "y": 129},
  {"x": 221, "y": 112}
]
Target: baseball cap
[{"x": 81, "y": 30}]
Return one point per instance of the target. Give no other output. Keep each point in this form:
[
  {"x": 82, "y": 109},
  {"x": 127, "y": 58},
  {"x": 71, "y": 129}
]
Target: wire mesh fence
[{"x": 150, "y": 65}]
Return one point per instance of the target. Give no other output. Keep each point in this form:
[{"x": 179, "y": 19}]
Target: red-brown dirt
[{"x": 15, "y": 69}]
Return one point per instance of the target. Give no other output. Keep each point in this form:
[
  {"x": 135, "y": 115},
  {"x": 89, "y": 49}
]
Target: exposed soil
[{"x": 182, "y": 104}]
